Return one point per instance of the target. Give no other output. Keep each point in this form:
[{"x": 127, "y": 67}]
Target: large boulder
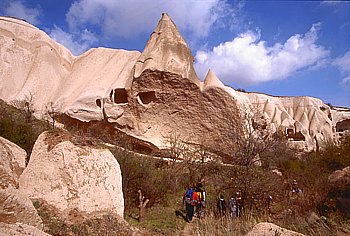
[
  {"x": 269, "y": 229},
  {"x": 12, "y": 163},
  {"x": 340, "y": 179},
  {"x": 20, "y": 229},
  {"x": 18, "y": 208},
  {"x": 71, "y": 177}
]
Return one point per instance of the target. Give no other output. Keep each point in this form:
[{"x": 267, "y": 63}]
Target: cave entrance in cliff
[
  {"x": 120, "y": 96},
  {"x": 295, "y": 136},
  {"x": 343, "y": 126},
  {"x": 146, "y": 97}
]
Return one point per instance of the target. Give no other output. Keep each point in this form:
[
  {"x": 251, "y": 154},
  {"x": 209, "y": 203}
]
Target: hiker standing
[
  {"x": 221, "y": 205},
  {"x": 233, "y": 207},
  {"x": 239, "y": 204},
  {"x": 268, "y": 203},
  {"x": 190, "y": 199},
  {"x": 201, "y": 203}
]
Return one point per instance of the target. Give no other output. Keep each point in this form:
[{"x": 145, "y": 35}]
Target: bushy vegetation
[{"x": 16, "y": 126}]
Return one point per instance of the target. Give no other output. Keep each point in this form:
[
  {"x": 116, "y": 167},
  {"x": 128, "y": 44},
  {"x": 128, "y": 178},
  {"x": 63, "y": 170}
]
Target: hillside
[{"x": 150, "y": 95}]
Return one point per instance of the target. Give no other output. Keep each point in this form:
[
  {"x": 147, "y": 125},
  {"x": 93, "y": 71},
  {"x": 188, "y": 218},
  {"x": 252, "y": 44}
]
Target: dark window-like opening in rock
[
  {"x": 147, "y": 97},
  {"x": 120, "y": 95},
  {"x": 98, "y": 103},
  {"x": 295, "y": 136},
  {"x": 342, "y": 126},
  {"x": 290, "y": 131}
]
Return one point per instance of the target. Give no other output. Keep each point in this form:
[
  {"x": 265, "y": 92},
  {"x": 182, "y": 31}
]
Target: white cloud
[
  {"x": 343, "y": 64},
  {"x": 76, "y": 43},
  {"x": 248, "y": 60},
  {"x": 346, "y": 83},
  {"x": 20, "y": 10},
  {"x": 129, "y": 18}
]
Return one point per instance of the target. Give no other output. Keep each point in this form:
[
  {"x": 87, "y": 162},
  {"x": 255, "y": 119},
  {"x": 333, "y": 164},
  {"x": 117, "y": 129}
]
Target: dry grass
[{"x": 214, "y": 225}]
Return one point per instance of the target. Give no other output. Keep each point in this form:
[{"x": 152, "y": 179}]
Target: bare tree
[
  {"x": 51, "y": 114},
  {"x": 26, "y": 105}
]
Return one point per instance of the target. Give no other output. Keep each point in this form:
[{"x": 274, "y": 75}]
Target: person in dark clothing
[
  {"x": 221, "y": 205},
  {"x": 190, "y": 200}
]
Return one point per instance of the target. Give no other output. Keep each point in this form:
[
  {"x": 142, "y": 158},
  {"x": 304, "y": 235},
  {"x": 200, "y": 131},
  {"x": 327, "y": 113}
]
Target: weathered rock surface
[
  {"x": 72, "y": 177},
  {"x": 18, "y": 208},
  {"x": 20, "y": 229},
  {"x": 12, "y": 163},
  {"x": 269, "y": 229},
  {"x": 149, "y": 95},
  {"x": 340, "y": 179}
]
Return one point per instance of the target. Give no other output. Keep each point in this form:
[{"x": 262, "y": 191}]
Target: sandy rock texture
[
  {"x": 148, "y": 95},
  {"x": 15, "y": 207},
  {"x": 20, "y": 229},
  {"x": 269, "y": 229},
  {"x": 12, "y": 163},
  {"x": 71, "y": 177}
]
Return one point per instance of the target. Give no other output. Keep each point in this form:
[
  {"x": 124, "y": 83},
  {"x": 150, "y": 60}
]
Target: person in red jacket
[{"x": 190, "y": 200}]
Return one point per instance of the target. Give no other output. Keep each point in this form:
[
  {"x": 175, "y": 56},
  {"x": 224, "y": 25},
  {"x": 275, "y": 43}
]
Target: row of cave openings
[
  {"x": 120, "y": 96},
  {"x": 340, "y": 128}
]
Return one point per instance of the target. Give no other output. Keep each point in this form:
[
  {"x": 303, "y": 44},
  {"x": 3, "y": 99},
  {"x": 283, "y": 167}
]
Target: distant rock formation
[
  {"x": 12, "y": 163},
  {"x": 71, "y": 177},
  {"x": 269, "y": 229},
  {"x": 148, "y": 95}
]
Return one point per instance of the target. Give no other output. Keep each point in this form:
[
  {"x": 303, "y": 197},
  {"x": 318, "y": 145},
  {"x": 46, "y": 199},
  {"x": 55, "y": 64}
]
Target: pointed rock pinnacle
[{"x": 167, "y": 51}]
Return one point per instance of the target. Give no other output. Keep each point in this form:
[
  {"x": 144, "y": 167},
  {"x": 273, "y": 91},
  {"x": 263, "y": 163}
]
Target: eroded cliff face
[{"x": 149, "y": 95}]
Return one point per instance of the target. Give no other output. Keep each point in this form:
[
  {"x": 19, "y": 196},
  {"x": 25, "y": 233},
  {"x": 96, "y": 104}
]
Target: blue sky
[{"x": 284, "y": 48}]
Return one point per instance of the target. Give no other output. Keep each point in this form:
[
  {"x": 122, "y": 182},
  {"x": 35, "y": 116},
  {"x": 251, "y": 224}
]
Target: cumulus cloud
[
  {"x": 76, "y": 43},
  {"x": 20, "y": 10},
  {"x": 343, "y": 64},
  {"x": 127, "y": 18},
  {"x": 248, "y": 60}
]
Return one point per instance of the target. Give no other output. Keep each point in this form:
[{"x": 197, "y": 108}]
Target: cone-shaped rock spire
[
  {"x": 167, "y": 51},
  {"x": 211, "y": 80}
]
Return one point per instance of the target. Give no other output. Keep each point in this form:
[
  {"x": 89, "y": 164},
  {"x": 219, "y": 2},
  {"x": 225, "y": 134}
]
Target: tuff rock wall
[{"x": 149, "y": 95}]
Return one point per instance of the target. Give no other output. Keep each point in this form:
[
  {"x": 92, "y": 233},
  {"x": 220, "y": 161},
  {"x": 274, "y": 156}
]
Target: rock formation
[
  {"x": 340, "y": 179},
  {"x": 149, "y": 95},
  {"x": 18, "y": 208},
  {"x": 71, "y": 177},
  {"x": 12, "y": 163},
  {"x": 269, "y": 229},
  {"x": 20, "y": 229}
]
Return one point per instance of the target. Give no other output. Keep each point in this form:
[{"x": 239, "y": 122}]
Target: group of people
[
  {"x": 194, "y": 201},
  {"x": 234, "y": 204}
]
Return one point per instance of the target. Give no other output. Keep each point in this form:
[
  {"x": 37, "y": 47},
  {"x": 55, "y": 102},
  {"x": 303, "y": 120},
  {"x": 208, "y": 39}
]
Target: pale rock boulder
[
  {"x": 340, "y": 179},
  {"x": 20, "y": 229},
  {"x": 12, "y": 163},
  {"x": 32, "y": 65},
  {"x": 89, "y": 92},
  {"x": 71, "y": 177},
  {"x": 269, "y": 229},
  {"x": 15, "y": 207}
]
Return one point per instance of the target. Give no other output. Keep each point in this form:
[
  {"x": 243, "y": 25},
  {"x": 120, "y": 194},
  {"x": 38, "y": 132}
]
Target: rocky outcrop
[
  {"x": 20, "y": 229},
  {"x": 340, "y": 179},
  {"x": 12, "y": 163},
  {"x": 167, "y": 51},
  {"x": 269, "y": 229},
  {"x": 69, "y": 177},
  {"x": 18, "y": 208},
  {"x": 148, "y": 95}
]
